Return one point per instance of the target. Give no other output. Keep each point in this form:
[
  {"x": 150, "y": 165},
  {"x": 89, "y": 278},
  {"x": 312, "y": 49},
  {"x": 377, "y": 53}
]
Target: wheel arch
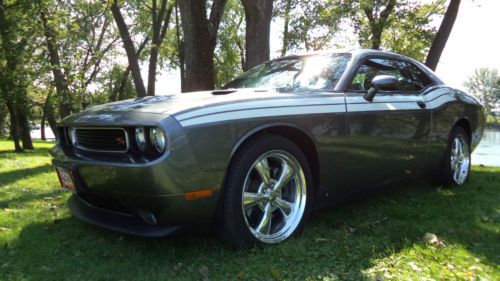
[
  {"x": 301, "y": 138},
  {"x": 466, "y": 125}
]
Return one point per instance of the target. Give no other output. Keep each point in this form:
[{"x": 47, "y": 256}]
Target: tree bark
[
  {"x": 24, "y": 128},
  {"x": 180, "y": 48},
  {"x": 258, "y": 15},
  {"x": 160, "y": 25},
  {"x": 48, "y": 115},
  {"x": 377, "y": 25},
  {"x": 128, "y": 45},
  {"x": 442, "y": 35},
  {"x": 284, "y": 47},
  {"x": 10, "y": 82},
  {"x": 14, "y": 125},
  {"x": 42, "y": 127},
  {"x": 200, "y": 36},
  {"x": 117, "y": 92},
  {"x": 55, "y": 63}
]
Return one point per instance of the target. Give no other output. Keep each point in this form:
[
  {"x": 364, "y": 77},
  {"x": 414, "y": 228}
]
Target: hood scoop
[{"x": 223, "y": 92}]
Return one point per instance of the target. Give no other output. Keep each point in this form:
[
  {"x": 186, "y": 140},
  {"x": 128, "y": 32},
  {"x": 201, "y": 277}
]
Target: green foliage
[
  {"x": 85, "y": 36},
  {"x": 377, "y": 238},
  {"x": 485, "y": 85},
  {"x": 312, "y": 25},
  {"x": 407, "y": 29},
  {"x": 410, "y": 32},
  {"x": 229, "y": 52}
]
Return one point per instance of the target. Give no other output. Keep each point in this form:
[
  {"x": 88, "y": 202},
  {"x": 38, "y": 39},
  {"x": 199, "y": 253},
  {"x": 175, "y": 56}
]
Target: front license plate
[{"x": 66, "y": 178}]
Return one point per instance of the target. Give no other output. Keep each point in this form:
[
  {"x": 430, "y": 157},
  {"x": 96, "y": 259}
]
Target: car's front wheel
[{"x": 267, "y": 193}]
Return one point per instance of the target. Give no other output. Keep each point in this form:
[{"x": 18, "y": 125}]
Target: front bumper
[
  {"x": 133, "y": 187},
  {"x": 115, "y": 221}
]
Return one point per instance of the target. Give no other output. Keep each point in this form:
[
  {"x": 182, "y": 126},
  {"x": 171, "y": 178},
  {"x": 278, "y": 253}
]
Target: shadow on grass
[
  {"x": 341, "y": 241},
  {"x": 15, "y": 175},
  {"x": 38, "y": 151}
]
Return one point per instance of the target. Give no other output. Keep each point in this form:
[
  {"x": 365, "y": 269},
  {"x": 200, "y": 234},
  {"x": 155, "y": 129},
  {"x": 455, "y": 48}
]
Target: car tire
[
  {"x": 455, "y": 167},
  {"x": 259, "y": 205}
]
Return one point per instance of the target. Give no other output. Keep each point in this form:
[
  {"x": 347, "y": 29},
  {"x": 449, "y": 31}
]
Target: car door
[{"x": 387, "y": 137}]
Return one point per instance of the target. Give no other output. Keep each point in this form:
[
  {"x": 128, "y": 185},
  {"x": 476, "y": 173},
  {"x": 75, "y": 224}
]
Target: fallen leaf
[
  {"x": 240, "y": 275},
  {"x": 319, "y": 239},
  {"x": 276, "y": 274},
  {"x": 45, "y": 268},
  {"x": 431, "y": 238},
  {"x": 472, "y": 268},
  {"x": 204, "y": 272},
  {"x": 413, "y": 266},
  {"x": 178, "y": 267}
]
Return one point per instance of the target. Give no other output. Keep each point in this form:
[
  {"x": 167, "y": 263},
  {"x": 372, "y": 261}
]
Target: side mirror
[{"x": 381, "y": 83}]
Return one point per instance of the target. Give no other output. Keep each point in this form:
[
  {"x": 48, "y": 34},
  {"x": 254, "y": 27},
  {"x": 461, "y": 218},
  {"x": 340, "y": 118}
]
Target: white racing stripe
[
  {"x": 313, "y": 105},
  {"x": 386, "y": 106},
  {"x": 440, "y": 101},
  {"x": 260, "y": 104},
  {"x": 264, "y": 112}
]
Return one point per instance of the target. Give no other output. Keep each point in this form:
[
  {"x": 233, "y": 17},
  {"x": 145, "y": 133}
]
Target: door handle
[{"x": 422, "y": 104}]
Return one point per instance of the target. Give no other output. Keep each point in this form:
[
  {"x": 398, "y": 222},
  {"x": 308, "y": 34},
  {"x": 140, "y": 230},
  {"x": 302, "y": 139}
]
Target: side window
[
  {"x": 410, "y": 77},
  {"x": 420, "y": 80}
]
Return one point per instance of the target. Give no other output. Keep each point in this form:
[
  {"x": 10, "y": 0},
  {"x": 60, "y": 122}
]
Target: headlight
[
  {"x": 157, "y": 139},
  {"x": 140, "y": 138}
]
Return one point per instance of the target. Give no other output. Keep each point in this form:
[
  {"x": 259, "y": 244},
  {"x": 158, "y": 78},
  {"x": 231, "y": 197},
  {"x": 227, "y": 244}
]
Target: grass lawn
[{"x": 378, "y": 238}]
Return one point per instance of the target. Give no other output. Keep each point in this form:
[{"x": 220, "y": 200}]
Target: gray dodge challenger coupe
[{"x": 256, "y": 157}]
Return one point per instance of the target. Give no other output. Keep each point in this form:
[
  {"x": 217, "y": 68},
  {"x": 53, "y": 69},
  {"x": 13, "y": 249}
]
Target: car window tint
[{"x": 410, "y": 77}]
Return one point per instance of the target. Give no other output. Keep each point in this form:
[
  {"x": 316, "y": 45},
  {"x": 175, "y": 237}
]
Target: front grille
[{"x": 100, "y": 139}]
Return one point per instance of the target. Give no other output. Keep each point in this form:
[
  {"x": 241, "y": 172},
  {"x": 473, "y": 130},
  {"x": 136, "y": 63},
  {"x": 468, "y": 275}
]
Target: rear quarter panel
[{"x": 459, "y": 107}]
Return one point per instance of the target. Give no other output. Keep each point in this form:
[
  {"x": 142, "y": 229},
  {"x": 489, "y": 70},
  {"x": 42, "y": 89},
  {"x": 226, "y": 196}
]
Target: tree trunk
[
  {"x": 284, "y": 47},
  {"x": 55, "y": 62},
  {"x": 117, "y": 92},
  {"x": 24, "y": 129},
  {"x": 180, "y": 48},
  {"x": 160, "y": 26},
  {"x": 200, "y": 36},
  {"x": 377, "y": 25},
  {"x": 258, "y": 15},
  {"x": 42, "y": 127},
  {"x": 442, "y": 35},
  {"x": 14, "y": 125},
  {"x": 128, "y": 45}
]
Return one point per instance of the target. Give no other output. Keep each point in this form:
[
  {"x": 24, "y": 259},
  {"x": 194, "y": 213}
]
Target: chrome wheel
[
  {"x": 274, "y": 196},
  {"x": 460, "y": 159}
]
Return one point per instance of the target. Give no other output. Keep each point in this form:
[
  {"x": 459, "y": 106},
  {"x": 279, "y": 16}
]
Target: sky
[{"x": 473, "y": 43}]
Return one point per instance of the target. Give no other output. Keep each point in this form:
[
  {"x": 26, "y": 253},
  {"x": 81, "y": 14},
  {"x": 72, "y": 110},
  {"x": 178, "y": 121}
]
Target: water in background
[{"x": 488, "y": 151}]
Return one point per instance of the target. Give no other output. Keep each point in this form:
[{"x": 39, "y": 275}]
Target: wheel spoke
[
  {"x": 284, "y": 206},
  {"x": 456, "y": 173},
  {"x": 251, "y": 199},
  {"x": 264, "y": 226},
  {"x": 284, "y": 177},
  {"x": 262, "y": 168}
]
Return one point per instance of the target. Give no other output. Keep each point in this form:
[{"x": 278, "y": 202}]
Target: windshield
[{"x": 315, "y": 72}]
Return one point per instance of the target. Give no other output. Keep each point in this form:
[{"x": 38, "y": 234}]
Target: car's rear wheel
[
  {"x": 267, "y": 193},
  {"x": 455, "y": 168}
]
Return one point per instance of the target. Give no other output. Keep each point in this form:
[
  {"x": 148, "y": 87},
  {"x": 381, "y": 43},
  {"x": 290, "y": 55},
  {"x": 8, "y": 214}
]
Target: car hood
[
  {"x": 158, "y": 107},
  {"x": 175, "y": 103}
]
